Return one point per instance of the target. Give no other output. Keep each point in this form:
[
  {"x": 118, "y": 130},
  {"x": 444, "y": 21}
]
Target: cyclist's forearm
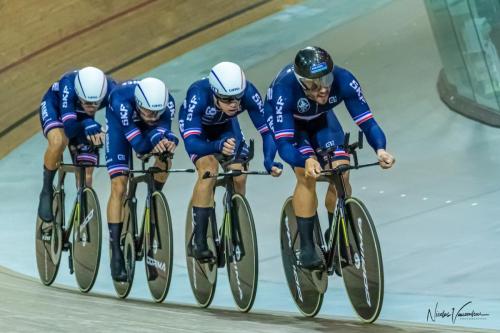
[
  {"x": 73, "y": 128},
  {"x": 141, "y": 145},
  {"x": 374, "y": 134},
  {"x": 195, "y": 145},
  {"x": 269, "y": 146},
  {"x": 290, "y": 155}
]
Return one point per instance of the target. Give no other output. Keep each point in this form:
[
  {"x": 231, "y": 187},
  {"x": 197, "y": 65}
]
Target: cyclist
[
  {"x": 139, "y": 116},
  {"x": 67, "y": 115},
  {"x": 208, "y": 124},
  {"x": 301, "y": 100}
]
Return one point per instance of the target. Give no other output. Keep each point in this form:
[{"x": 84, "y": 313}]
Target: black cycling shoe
[
  {"x": 45, "y": 205},
  {"x": 200, "y": 252},
  {"x": 309, "y": 259},
  {"x": 118, "y": 272}
]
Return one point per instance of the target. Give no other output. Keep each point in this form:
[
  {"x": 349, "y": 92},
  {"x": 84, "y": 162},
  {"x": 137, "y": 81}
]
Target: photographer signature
[{"x": 460, "y": 313}]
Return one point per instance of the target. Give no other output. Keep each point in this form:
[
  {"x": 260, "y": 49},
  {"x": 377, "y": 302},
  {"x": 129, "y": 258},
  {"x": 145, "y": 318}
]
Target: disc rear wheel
[
  {"x": 48, "y": 242},
  {"x": 202, "y": 276},
  {"x": 87, "y": 240},
  {"x": 303, "y": 283}
]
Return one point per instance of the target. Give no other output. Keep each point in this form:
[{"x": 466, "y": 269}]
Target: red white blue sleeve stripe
[
  {"x": 68, "y": 116},
  {"x": 341, "y": 152},
  {"x": 119, "y": 168},
  {"x": 263, "y": 129},
  {"x": 84, "y": 157},
  {"x": 286, "y": 133},
  {"x": 306, "y": 150},
  {"x": 132, "y": 134},
  {"x": 51, "y": 125},
  {"x": 191, "y": 131},
  {"x": 363, "y": 117}
]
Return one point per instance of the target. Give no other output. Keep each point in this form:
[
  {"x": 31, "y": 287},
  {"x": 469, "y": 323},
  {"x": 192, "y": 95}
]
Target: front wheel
[
  {"x": 158, "y": 247},
  {"x": 303, "y": 283},
  {"x": 87, "y": 239},
  {"x": 242, "y": 254},
  {"x": 364, "y": 278}
]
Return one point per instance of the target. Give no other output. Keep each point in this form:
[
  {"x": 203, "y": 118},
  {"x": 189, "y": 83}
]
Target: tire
[
  {"x": 202, "y": 276},
  {"x": 301, "y": 282},
  {"x": 158, "y": 247},
  {"x": 364, "y": 281},
  {"x": 243, "y": 260},
  {"x": 127, "y": 239},
  {"x": 48, "y": 253},
  {"x": 87, "y": 240}
]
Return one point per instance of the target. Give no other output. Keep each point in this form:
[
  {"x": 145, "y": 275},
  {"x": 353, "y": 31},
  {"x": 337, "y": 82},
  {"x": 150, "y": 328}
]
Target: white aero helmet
[
  {"x": 151, "y": 94},
  {"x": 91, "y": 84},
  {"x": 227, "y": 80}
]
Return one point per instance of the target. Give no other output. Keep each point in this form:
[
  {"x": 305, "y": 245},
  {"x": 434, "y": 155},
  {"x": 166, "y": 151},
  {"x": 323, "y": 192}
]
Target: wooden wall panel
[{"x": 40, "y": 40}]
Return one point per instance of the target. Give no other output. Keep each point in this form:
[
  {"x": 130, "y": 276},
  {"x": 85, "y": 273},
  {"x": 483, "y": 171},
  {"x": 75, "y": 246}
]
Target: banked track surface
[{"x": 28, "y": 306}]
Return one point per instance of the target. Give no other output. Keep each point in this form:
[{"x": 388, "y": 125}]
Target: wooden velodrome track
[{"x": 40, "y": 40}]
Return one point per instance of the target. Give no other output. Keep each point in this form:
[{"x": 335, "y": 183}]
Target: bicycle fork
[
  {"x": 339, "y": 232},
  {"x": 231, "y": 234}
]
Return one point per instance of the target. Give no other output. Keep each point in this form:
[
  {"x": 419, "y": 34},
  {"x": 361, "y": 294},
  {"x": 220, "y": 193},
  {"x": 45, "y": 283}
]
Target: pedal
[{"x": 207, "y": 261}]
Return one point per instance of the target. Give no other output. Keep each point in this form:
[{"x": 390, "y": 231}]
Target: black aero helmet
[{"x": 312, "y": 62}]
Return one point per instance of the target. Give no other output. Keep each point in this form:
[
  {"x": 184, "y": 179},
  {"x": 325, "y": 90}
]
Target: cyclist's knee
[
  {"x": 240, "y": 184},
  {"x": 57, "y": 139},
  {"x": 88, "y": 176},
  {"x": 118, "y": 187},
  {"x": 163, "y": 165},
  {"x": 162, "y": 176},
  {"x": 331, "y": 197},
  {"x": 206, "y": 164},
  {"x": 304, "y": 181}
]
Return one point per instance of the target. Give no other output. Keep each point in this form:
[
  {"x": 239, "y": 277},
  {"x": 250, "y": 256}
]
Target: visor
[
  {"x": 225, "y": 98},
  {"x": 325, "y": 81}
]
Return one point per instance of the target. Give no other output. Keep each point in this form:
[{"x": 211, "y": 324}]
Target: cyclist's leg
[
  {"x": 202, "y": 199},
  {"x": 115, "y": 226},
  {"x": 333, "y": 135},
  {"x": 203, "y": 204},
  {"x": 57, "y": 142},
  {"x": 240, "y": 182},
  {"x": 305, "y": 203},
  {"x": 117, "y": 158}
]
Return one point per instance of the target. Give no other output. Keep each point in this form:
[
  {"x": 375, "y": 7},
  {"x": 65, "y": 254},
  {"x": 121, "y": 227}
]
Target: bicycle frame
[
  {"x": 148, "y": 178},
  {"x": 230, "y": 229},
  {"x": 76, "y": 220},
  {"x": 334, "y": 176}
]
